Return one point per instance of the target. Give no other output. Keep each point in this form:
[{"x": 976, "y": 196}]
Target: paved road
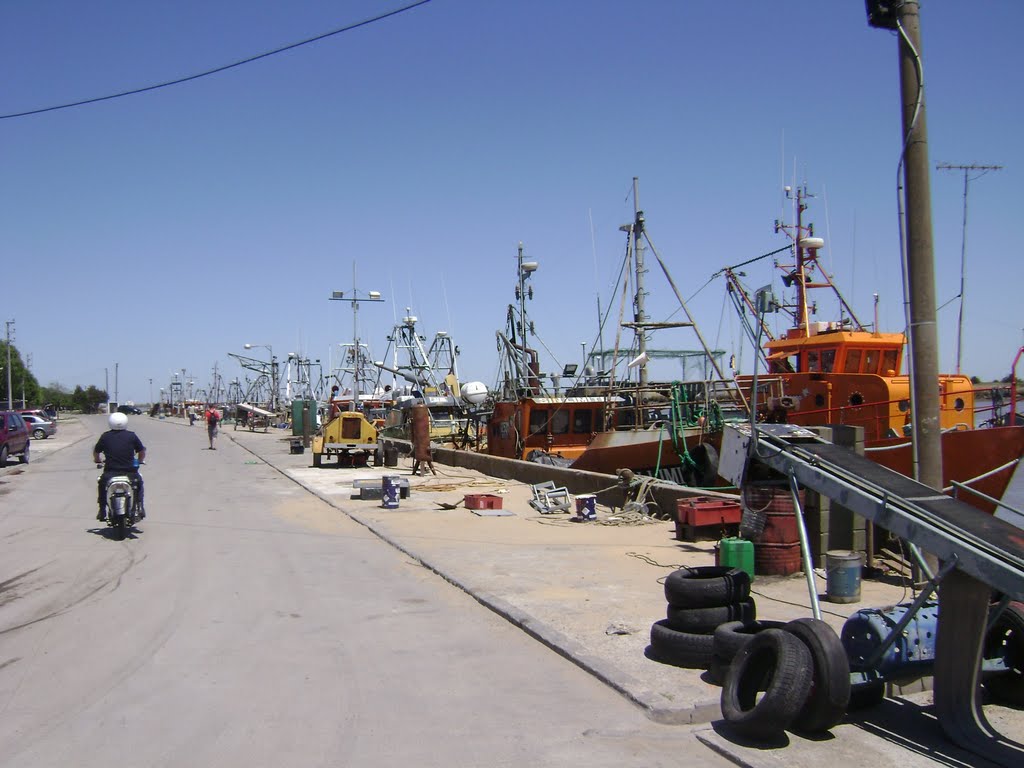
[{"x": 248, "y": 623}]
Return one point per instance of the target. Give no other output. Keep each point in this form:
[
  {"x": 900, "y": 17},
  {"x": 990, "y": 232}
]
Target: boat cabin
[{"x": 562, "y": 426}]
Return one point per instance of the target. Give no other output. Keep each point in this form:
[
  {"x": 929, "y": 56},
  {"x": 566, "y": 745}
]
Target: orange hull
[{"x": 966, "y": 454}]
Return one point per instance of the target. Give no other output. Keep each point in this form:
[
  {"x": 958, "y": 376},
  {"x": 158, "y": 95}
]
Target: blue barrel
[
  {"x": 391, "y": 488},
  {"x": 842, "y": 573}
]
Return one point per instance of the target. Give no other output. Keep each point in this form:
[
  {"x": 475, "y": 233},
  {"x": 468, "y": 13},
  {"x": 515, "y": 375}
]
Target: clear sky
[{"x": 164, "y": 230}]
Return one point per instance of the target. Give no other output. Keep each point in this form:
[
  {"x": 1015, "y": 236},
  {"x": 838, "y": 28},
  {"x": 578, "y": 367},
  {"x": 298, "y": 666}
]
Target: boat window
[
  {"x": 959, "y": 404},
  {"x": 538, "y": 421},
  {"x": 828, "y": 360},
  {"x": 813, "y": 363},
  {"x": 560, "y": 422},
  {"x": 870, "y": 361},
  {"x": 852, "y": 361},
  {"x": 582, "y": 421},
  {"x": 889, "y": 362}
]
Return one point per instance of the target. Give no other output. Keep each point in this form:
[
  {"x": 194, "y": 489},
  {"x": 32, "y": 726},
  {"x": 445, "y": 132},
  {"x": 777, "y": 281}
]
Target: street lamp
[
  {"x": 354, "y": 299},
  {"x": 273, "y": 373}
]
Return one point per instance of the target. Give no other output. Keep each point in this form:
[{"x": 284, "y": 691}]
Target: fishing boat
[
  {"x": 612, "y": 416},
  {"x": 843, "y": 372},
  {"x": 430, "y": 377}
]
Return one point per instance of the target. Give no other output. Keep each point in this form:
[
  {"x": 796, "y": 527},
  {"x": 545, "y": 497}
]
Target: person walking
[
  {"x": 191, "y": 415},
  {"x": 212, "y": 420}
]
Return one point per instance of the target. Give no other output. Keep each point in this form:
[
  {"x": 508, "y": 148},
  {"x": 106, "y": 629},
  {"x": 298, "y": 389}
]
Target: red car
[{"x": 15, "y": 437}]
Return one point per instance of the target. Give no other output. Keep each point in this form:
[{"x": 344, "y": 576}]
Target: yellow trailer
[{"x": 349, "y": 436}]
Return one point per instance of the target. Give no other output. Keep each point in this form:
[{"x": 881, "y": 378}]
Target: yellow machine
[{"x": 349, "y": 436}]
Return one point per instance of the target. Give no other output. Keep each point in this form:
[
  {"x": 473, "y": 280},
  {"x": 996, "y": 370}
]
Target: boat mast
[{"x": 639, "y": 316}]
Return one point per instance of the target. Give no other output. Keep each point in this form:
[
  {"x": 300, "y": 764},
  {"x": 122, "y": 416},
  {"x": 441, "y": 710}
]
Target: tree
[
  {"x": 22, "y": 380},
  {"x": 88, "y": 400}
]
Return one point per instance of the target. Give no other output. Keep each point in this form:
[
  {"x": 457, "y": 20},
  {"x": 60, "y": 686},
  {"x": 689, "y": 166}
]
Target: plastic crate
[{"x": 482, "y": 501}]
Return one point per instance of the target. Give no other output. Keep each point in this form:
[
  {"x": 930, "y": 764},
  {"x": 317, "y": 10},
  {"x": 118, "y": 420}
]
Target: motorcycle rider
[{"x": 119, "y": 447}]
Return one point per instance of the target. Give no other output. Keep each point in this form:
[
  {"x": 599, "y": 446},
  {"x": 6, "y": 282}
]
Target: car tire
[
  {"x": 707, "y": 586},
  {"x": 778, "y": 664},
  {"x": 3, "y": 455},
  {"x": 704, "y": 621},
  {"x": 681, "y": 649},
  {"x": 830, "y": 689},
  {"x": 39, "y": 434},
  {"x": 25, "y": 454},
  {"x": 733, "y": 635}
]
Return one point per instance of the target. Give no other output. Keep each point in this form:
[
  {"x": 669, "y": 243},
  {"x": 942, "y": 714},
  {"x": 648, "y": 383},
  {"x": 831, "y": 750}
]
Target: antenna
[{"x": 984, "y": 169}]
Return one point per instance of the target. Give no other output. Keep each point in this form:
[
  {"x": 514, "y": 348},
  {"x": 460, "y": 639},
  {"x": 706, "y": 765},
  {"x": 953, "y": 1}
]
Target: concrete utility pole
[
  {"x": 924, "y": 339},
  {"x": 963, "y": 241},
  {"x": 10, "y": 394}
]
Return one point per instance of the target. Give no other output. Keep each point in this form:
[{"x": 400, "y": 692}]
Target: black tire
[
  {"x": 317, "y": 459},
  {"x": 3, "y": 455},
  {"x": 39, "y": 434},
  {"x": 706, "y": 586},
  {"x": 733, "y": 635},
  {"x": 704, "y": 621},
  {"x": 1006, "y": 641},
  {"x": 779, "y": 665},
  {"x": 24, "y": 458},
  {"x": 681, "y": 649},
  {"x": 119, "y": 528},
  {"x": 830, "y": 689},
  {"x": 717, "y": 670}
]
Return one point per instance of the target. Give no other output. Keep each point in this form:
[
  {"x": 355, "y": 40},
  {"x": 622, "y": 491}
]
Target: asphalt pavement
[{"x": 591, "y": 590}]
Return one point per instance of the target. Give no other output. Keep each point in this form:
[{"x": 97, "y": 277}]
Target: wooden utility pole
[{"x": 963, "y": 242}]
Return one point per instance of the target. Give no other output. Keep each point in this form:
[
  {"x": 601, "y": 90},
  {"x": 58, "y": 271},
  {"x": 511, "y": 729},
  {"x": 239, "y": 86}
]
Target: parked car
[
  {"x": 39, "y": 427},
  {"x": 131, "y": 410},
  {"x": 40, "y": 412},
  {"x": 15, "y": 438}
]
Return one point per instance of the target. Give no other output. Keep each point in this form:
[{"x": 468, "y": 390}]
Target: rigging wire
[{"x": 223, "y": 68}]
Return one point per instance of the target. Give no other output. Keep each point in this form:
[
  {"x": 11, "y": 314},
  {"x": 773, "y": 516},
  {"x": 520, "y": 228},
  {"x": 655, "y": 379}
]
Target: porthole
[
  {"x": 904, "y": 406},
  {"x": 856, "y": 399},
  {"x": 819, "y": 401},
  {"x": 959, "y": 403}
]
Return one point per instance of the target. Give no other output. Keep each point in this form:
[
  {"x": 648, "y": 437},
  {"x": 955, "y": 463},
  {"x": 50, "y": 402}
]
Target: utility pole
[
  {"x": 10, "y": 393},
  {"x": 984, "y": 169}
]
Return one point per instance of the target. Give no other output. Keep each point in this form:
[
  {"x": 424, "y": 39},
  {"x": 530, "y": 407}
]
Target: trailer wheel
[
  {"x": 704, "y": 621},
  {"x": 706, "y": 586},
  {"x": 317, "y": 459},
  {"x": 681, "y": 649},
  {"x": 1006, "y": 641},
  {"x": 776, "y": 664},
  {"x": 830, "y": 688}
]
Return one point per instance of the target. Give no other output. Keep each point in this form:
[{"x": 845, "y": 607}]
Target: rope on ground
[{"x": 651, "y": 561}]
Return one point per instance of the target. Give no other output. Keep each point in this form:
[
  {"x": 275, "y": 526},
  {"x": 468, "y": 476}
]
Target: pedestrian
[
  {"x": 212, "y": 420},
  {"x": 191, "y": 415}
]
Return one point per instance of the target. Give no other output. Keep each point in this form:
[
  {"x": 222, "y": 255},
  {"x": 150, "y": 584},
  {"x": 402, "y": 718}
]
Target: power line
[{"x": 223, "y": 68}]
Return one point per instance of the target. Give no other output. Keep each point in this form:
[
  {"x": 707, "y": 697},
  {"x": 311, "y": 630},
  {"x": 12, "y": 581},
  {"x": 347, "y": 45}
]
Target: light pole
[
  {"x": 273, "y": 373},
  {"x": 354, "y": 299}
]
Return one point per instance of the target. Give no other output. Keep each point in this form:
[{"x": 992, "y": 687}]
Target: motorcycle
[{"x": 123, "y": 509}]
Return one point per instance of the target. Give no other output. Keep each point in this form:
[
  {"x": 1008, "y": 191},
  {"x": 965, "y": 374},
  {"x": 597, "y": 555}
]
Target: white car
[{"x": 39, "y": 427}]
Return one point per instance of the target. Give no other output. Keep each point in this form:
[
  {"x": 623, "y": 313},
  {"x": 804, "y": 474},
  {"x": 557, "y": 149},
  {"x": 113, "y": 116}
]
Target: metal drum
[
  {"x": 391, "y": 489},
  {"x": 913, "y": 652}
]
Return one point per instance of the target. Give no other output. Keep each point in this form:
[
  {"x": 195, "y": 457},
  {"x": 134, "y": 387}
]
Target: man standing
[
  {"x": 212, "y": 420},
  {"x": 119, "y": 447}
]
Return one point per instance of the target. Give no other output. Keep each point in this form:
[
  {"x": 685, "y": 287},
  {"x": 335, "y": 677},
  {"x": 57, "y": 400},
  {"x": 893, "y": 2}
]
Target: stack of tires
[
  {"x": 790, "y": 677},
  {"x": 699, "y": 601}
]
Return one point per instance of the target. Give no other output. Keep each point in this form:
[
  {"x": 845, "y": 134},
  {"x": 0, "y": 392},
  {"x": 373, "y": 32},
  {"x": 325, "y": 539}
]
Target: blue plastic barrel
[
  {"x": 842, "y": 573},
  {"x": 390, "y": 490}
]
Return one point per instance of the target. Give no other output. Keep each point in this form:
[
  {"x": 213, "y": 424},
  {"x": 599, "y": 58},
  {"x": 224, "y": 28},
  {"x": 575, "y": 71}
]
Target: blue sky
[{"x": 164, "y": 230}]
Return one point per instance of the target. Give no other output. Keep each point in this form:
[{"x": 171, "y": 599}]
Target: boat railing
[{"x": 682, "y": 403}]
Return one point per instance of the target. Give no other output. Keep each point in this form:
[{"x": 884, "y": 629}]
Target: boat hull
[
  {"x": 966, "y": 454},
  {"x": 651, "y": 451}
]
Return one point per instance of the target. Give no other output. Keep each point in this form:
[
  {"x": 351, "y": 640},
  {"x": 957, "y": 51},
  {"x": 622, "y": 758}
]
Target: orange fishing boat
[{"x": 824, "y": 373}]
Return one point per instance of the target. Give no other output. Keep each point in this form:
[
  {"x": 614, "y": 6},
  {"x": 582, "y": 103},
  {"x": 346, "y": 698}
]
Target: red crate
[
  {"x": 482, "y": 501},
  {"x": 701, "y": 511}
]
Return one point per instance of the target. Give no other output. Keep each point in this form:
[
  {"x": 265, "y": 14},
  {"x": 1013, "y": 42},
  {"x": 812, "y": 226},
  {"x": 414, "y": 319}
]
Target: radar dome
[{"x": 474, "y": 392}]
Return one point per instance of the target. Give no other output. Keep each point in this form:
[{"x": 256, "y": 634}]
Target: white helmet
[{"x": 118, "y": 420}]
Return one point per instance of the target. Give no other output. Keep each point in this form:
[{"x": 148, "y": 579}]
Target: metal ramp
[{"x": 988, "y": 554}]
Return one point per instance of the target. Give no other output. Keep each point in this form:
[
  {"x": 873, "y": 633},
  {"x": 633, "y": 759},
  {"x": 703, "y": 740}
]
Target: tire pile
[
  {"x": 775, "y": 676},
  {"x": 699, "y": 601}
]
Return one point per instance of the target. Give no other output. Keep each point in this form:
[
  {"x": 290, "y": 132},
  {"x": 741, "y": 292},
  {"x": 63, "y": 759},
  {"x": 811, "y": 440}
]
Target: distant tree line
[{"x": 25, "y": 388}]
